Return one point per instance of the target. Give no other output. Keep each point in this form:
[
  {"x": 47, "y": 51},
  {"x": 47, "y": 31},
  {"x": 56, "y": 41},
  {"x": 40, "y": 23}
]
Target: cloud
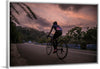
[
  {"x": 38, "y": 24},
  {"x": 74, "y": 7},
  {"x": 70, "y": 7},
  {"x": 42, "y": 22}
]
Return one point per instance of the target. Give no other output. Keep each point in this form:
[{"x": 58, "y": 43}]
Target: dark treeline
[
  {"x": 19, "y": 34},
  {"x": 77, "y": 36}
]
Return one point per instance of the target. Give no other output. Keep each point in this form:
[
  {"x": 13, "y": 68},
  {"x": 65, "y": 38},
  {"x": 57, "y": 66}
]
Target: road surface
[{"x": 36, "y": 55}]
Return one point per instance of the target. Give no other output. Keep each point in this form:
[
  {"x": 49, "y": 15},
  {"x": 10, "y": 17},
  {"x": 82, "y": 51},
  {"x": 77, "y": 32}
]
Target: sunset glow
[{"x": 67, "y": 16}]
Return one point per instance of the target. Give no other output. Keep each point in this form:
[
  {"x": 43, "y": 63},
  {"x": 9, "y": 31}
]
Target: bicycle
[{"x": 62, "y": 48}]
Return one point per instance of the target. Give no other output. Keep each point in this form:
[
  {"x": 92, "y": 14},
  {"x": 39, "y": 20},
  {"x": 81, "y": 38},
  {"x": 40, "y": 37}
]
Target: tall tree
[
  {"x": 74, "y": 34},
  {"x": 25, "y": 8}
]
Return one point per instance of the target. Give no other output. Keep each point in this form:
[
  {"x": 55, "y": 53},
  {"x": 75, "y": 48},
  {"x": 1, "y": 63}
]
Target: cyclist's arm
[{"x": 50, "y": 30}]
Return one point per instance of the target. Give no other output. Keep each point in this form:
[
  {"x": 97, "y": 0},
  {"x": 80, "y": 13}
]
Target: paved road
[{"x": 36, "y": 55}]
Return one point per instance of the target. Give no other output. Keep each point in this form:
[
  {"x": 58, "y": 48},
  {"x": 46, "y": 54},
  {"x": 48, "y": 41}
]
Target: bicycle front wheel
[
  {"x": 62, "y": 50},
  {"x": 49, "y": 48}
]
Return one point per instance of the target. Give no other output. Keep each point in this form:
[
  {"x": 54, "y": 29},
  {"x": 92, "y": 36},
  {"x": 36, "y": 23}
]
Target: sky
[{"x": 67, "y": 16}]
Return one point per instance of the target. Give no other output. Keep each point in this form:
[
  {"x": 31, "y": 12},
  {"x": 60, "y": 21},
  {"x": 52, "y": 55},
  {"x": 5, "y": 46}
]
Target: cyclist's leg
[
  {"x": 54, "y": 41},
  {"x": 56, "y": 35},
  {"x": 59, "y": 33}
]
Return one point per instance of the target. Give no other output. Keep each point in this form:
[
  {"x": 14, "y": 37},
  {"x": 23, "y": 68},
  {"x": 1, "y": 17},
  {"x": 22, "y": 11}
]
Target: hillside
[{"x": 23, "y": 34}]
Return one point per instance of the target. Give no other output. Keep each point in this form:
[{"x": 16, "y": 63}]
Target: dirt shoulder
[{"x": 15, "y": 58}]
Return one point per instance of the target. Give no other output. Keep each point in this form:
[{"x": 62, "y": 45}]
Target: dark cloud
[
  {"x": 74, "y": 7},
  {"x": 70, "y": 7},
  {"x": 42, "y": 22}
]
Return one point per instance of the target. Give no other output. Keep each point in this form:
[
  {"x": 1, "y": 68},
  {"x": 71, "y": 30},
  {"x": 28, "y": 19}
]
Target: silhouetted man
[{"x": 58, "y": 32}]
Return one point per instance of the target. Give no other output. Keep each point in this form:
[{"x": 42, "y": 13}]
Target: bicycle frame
[{"x": 62, "y": 51}]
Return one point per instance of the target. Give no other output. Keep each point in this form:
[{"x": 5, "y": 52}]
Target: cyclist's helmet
[{"x": 55, "y": 23}]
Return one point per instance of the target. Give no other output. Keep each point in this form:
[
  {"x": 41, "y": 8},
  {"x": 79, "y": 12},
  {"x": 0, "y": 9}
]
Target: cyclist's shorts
[{"x": 57, "y": 34}]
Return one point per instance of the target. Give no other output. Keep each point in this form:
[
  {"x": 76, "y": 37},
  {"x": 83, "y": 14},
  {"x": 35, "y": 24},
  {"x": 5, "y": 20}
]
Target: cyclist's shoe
[{"x": 55, "y": 50}]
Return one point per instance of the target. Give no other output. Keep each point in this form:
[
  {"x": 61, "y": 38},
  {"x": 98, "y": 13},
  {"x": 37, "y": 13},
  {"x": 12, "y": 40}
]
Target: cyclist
[{"x": 58, "y": 32}]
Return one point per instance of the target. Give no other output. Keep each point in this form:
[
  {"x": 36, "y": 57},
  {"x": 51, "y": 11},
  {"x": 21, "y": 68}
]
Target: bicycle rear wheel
[
  {"x": 62, "y": 50},
  {"x": 49, "y": 48}
]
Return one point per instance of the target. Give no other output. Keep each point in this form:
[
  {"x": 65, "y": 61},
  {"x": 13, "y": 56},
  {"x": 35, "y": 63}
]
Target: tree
[
  {"x": 15, "y": 35},
  {"x": 26, "y": 9},
  {"x": 91, "y": 35},
  {"x": 74, "y": 34}
]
